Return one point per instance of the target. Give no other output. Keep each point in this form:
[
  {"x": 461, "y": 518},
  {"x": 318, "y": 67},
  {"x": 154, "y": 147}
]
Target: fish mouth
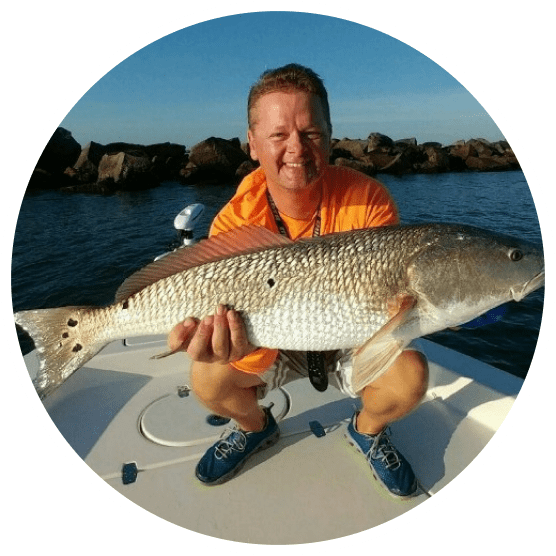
[{"x": 535, "y": 283}]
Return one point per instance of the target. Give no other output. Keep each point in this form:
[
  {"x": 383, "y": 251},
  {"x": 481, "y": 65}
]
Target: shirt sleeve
[{"x": 382, "y": 209}]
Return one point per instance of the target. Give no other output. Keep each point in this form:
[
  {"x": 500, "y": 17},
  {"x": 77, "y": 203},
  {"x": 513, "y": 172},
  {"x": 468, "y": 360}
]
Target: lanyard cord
[
  {"x": 280, "y": 223},
  {"x": 315, "y": 359}
]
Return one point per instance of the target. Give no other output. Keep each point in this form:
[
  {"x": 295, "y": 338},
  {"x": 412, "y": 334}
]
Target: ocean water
[{"x": 76, "y": 249}]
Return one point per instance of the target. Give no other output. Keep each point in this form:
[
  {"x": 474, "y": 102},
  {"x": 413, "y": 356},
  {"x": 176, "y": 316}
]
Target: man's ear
[{"x": 252, "y": 149}]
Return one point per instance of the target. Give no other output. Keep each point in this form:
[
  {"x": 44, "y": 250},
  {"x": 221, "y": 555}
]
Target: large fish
[{"x": 332, "y": 292}]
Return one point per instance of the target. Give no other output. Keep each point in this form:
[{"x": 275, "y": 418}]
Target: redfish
[{"x": 325, "y": 293}]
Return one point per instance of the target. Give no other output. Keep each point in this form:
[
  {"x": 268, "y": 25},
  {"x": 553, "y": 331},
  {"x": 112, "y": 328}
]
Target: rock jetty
[{"x": 64, "y": 164}]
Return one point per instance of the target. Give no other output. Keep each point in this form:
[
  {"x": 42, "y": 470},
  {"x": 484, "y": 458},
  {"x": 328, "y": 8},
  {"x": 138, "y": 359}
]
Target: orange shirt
[{"x": 350, "y": 201}]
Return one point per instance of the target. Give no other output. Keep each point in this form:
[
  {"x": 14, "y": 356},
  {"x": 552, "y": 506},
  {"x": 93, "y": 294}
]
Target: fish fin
[
  {"x": 376, "y": 355},
  {"x": 62, "y": 344},
  {"x": 164, "y": 354},
  {"x": 239, "y": 241}
]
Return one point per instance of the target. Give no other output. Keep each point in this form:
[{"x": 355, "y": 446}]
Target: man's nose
[{"x": 295, "y": 142}]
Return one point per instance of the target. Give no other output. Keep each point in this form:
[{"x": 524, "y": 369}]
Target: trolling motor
[{"x": 185, "y": 223}]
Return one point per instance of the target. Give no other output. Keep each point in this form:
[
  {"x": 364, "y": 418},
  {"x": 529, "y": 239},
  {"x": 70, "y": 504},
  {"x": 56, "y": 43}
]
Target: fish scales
[
  {"x": 331, "y": 292},
  {"x": 324, "y": 295}
]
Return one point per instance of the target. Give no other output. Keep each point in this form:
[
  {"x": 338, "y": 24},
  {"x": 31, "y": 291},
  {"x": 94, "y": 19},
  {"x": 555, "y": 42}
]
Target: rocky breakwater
[
  {"x": 380, "y": 154},
  {"x": 124, "y": 166},
  {"x": 127, "y": 167}
]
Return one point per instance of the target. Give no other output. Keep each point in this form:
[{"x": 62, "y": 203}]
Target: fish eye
[{"x": 516, "y": 255}]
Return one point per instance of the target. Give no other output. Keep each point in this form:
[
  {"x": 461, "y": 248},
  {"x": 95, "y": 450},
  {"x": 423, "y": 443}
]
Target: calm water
[{"x": 75, "y": 249}]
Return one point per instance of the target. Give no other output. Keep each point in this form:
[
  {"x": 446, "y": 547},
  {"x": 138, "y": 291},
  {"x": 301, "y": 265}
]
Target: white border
[{"x": 297, "y": 6}]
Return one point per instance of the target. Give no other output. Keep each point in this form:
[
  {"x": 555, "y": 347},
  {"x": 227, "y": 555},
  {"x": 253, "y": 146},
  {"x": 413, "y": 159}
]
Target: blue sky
[{"x": 193, "y": 83}]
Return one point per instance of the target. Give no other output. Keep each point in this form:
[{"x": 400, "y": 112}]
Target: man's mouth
[{"x": 295, "y": 164}]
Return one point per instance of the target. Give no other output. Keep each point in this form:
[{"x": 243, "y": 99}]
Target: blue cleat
[
  {"x": 389, "y": 467},
  {"x": 224, "y": 460}
]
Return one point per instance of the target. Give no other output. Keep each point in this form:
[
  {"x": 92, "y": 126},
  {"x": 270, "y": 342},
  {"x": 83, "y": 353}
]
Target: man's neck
[{"x": 300, "y": 205}]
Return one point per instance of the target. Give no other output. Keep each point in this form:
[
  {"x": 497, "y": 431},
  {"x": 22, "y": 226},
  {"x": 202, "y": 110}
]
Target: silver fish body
[{"x": 332, "y": 292}]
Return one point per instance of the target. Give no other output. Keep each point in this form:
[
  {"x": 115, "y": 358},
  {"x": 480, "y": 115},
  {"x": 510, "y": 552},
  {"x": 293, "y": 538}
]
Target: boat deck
[{"x": 134, "y": 422}]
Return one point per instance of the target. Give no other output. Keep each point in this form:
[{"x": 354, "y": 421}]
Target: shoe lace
[
  {"x": 236, "y": 441},
  {"x": 382, "y": 449}
]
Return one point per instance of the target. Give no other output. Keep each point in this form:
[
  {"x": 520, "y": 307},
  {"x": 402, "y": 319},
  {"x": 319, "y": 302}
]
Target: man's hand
[{"x": 220, "y": 338}]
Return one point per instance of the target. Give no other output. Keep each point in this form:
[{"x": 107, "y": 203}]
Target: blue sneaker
[
  {"x": 224, "y": 459},
  {"x": 389, "y": 467}
]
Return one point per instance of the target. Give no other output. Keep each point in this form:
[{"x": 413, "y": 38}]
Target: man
[{"x": 295, "y": 192}]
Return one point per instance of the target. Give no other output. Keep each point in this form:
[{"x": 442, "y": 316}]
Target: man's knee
[
  {"x": 212, "y": 382},
  {"x": 414, "y": 373},
  {"x": 209, "y": 380},
  {"x": 407, "y": 378}
]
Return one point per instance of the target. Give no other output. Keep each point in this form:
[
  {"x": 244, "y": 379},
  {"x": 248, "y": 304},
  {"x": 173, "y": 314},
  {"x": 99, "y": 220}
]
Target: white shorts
[{"x": 292, "y": 365}]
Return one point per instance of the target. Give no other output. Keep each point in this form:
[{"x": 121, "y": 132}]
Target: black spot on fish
[
  {"x": 72, "y": 322},
  {"x": 125, "y": 305},
  {"x": 270, "y": 282},
  {"x": 77, "y": 347},
  {"x": 65, "y": 335}
]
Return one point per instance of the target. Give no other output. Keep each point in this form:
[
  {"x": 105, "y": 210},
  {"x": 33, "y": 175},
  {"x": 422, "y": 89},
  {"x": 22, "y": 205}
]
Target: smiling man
[{"x": 297, "y": 193}]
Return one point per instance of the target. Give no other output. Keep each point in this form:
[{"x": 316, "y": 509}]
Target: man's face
[{"x": 290, "y": 139}]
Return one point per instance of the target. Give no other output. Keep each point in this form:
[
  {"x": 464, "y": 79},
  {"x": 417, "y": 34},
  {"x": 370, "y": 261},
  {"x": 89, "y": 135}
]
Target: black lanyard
[
  {"x": 315, "y": 359},
  {"x": 280, "y": 223}
]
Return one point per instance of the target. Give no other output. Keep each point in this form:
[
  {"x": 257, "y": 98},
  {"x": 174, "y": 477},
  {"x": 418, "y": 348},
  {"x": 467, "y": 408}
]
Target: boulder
[
  {"x": 245, "y": 168},
  {"x": 456, "y": 163},
  {"x": 492, "y": 163},
  {"x": 164, "y": 151},
  {"x": 410, "y": 142},
  {"x": 433, "y": 144},
  {"x": 380, "y": 160},
  {"x": 167, "y": 159},
  {"x": 41, "y": 179},
  {"x": 482, "y": 146},
  {"x": 214, "y": 160},
  {"x": 365, "y": 168},
  {"x": 355, "y": 147},
  {"x": 86, "y": 167},
  {"x": 462, "y": 150},
  {"x": 437, "y": 161},
  {"x": 126, "y": 172},
  {"x": 336, "y": 153},
  {"x": 246, "y": 148},
  {"x": 377, "y": 141},
  {"x": 61, "y": 151},
  {"x": 502, "y": 147},
  {"x": 122, "y": 147},
  {"x": 401, "y": 164}
]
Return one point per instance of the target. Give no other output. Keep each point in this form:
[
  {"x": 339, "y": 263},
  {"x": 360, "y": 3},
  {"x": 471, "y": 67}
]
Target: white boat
[{"x": 136, "y": 423}]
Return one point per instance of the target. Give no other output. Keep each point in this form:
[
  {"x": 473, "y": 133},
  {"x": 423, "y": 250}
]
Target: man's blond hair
[{"x": 291, "y": 77}]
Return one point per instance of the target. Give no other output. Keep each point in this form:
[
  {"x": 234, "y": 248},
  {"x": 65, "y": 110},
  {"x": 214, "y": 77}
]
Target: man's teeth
[{"x": 295, "y": 164}]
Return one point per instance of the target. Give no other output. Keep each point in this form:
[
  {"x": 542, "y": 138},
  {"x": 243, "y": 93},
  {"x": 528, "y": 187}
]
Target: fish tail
[{"x": 64, "y": 341}]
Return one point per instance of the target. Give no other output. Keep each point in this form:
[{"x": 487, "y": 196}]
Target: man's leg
[
  {"x": 395, "y": 394},
  {"x": 388, "y": 399},
  {"x": 229, "y": 393},
  {"x": 232, "y": 393}
]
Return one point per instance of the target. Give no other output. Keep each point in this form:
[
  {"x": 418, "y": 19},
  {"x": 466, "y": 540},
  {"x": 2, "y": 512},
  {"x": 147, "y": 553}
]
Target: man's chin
[{"x": 298, "y": 178}]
